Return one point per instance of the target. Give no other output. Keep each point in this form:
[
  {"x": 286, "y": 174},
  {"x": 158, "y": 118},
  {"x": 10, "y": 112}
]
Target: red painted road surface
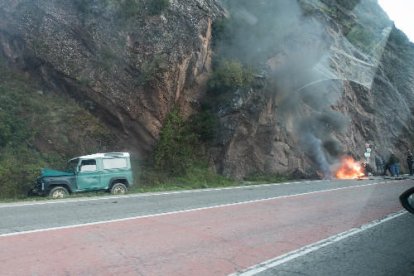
[{"x": 215, "y": 241}]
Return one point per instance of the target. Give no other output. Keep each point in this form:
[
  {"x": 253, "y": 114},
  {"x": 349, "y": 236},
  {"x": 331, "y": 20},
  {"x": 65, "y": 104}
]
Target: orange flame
[{"x": 349, "y": 169}]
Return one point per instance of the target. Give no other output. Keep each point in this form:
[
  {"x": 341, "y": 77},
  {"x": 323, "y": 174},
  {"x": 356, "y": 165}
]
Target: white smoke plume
[{"x": 301, "y": 61}]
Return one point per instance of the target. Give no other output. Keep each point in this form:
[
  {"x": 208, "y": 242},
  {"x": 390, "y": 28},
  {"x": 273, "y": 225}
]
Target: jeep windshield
[{"x": 71, "y": 165}]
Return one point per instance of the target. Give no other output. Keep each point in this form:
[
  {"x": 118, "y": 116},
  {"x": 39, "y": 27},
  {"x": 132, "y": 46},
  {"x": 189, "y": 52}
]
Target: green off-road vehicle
[{"x": 102, "y": 171}]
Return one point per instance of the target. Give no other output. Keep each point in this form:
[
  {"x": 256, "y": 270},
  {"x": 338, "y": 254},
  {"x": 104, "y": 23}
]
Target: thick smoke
[
  {"x": 313, "y": 146},
  {"x": 295, "y": 52},
  {"x": 275, "y": 35}
]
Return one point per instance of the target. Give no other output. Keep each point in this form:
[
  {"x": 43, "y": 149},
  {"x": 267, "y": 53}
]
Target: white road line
[
  {"x": 45, "y": 202},
  {"x": 185, "y": 211},
  {"x": 272, "y": 263}
]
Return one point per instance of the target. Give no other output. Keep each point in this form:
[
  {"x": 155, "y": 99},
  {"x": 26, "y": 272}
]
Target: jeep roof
[{"x": 102, "y": 155}]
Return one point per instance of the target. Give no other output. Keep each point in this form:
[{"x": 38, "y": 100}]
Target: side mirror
[{"x": 407, "y": 200}]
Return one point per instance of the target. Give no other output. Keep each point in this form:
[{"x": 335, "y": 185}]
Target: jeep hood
[{"x": 50, "y": 172}]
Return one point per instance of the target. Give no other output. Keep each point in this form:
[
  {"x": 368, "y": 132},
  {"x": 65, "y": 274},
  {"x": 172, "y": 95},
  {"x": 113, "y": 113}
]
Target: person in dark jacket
[
  {"x": 410, "y": 161},
  {"x": 379, "y": 163},
  {"x": 394, "y": 165}
]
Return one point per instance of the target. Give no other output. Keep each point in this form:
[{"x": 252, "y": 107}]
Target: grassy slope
[{"x": 40, "y": 129}]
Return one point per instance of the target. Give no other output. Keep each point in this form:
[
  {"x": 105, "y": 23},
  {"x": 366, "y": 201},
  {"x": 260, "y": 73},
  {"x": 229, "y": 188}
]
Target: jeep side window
[
  {"x": 114, "y": 163},
  {"x": 88, "y": 165}
]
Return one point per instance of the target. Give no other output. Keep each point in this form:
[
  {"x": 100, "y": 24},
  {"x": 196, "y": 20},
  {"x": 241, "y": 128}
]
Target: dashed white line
[{"x": 272, "y": 263}]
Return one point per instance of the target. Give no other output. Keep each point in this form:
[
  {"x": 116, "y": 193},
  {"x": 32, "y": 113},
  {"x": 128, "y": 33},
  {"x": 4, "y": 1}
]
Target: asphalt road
[
  {"x": 386, "y": 249},
  {"x": 212, "y": 232},
  {"x": 17, "y": 217}
]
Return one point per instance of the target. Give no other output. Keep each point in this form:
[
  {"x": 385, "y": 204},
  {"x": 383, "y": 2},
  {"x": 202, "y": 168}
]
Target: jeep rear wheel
[
  {"x": 58, "y": 192},
  {"x": 119, "y": 189}
]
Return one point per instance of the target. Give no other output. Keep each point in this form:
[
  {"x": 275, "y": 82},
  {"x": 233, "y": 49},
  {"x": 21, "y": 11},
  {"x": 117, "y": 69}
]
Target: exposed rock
[
  {"x": 336, "y": 74},
  {"x": 342, "y": 94},
  {"x": 131, "y": 69}
]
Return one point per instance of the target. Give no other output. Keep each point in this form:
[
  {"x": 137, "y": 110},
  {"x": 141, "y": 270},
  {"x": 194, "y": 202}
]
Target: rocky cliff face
[
  {"x": 338, "y": 76},
  {"x": 330, "y": 75},
  {"x": 129, "y": 62}
]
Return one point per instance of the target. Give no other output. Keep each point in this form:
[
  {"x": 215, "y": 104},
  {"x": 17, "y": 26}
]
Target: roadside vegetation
[
  {"x": 180, "y": 160},
  {"x": 230, "y": 75},
  {"x": 259, "y": 178},
  {"x": 40, "y": 129}
]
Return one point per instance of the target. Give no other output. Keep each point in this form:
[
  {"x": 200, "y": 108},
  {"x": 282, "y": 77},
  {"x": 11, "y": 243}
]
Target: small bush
[
  {"x": 19, "y": 168},
  {"x": 204, "y": 125},
  {"x": 230, "y": 75},
  {"x": 179, "y": 148},
  {"x": 174, "y": 152}
]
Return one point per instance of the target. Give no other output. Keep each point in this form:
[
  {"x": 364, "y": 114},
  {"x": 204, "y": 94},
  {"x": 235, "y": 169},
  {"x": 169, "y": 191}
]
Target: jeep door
[{"x": 89, "y": 175}]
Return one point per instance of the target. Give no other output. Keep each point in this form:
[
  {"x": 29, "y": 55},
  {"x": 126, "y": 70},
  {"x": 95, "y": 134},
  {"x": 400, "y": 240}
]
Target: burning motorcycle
[{"x": 407, "y": 200}]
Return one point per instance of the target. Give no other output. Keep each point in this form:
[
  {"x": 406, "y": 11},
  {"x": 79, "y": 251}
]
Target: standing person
[
  {"x": 397, "y": 167},
  {"x": 410, "y": 161},
  {"x": 394, "y": 165},
  {"x": 379, "y": 163}
]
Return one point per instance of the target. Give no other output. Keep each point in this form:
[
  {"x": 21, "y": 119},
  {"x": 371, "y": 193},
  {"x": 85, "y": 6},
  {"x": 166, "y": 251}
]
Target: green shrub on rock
[
  {"x": 174, "y": 151},
  {"x": 230, "y": 75}
]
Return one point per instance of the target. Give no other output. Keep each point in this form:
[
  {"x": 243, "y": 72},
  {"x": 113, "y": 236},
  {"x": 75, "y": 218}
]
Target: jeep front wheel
[
  {"x": 119, "y": 189},
  {"x": 58, "y": 192}
]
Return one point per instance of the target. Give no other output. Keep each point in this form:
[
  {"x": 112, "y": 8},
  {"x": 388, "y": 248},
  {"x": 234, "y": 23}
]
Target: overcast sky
[{"x": 402, "y": 13}]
